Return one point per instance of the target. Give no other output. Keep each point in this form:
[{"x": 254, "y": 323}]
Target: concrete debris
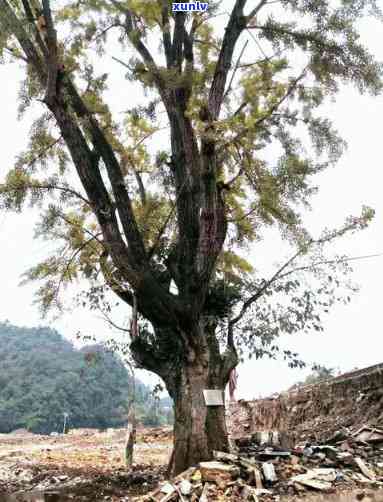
[
  {"x": 364, "y": 469},
  {"x": 369, "y": 435},
  {"x": 269, "y": 473},
  {"x": 218, "y": 472},
  {"x": 346, "y": 464},
  {"x": 319, "y": 479},
  {"x": 205, "y": 493},
  {"x": 167, "y": 488},
  {"x": 186, "y": 487}
]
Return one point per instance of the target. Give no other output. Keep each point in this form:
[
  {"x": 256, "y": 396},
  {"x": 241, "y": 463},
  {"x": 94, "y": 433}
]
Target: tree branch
[
  {"x": 178, "y": 40},
  {"x": 235, "y": 70},
  {"x": 52, "y": 60},
  {"x": 13, "y": 26},
  {"x": 328, "y": 262},
  {"x": 234, "y": 28},
  {"x": 137, "y": 251},
  {"x": 247, "y": 304},
  {"x": 71, "y": 260},
  {"x": 31, "y": 18},
  {"x": 255, "y": 11},
  {"x": 269, "y": 113},
  {"x": 166, "y": 37}
]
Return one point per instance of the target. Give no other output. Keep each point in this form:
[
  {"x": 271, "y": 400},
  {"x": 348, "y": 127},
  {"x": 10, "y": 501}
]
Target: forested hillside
[{"x": 42, "y": 376}]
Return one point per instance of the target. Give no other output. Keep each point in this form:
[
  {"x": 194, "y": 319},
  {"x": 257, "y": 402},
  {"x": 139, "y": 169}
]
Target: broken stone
[
  {"x": 186, "y": 487},
  {"x": 218, "y": 472},
  {"x": 319, "y": 479},
  {"x": 248, "y": 494},
  {"x": 273, "y": 454},
  {"x": 262, "y": 491},
  {"x": 205, "y": 493},
  {"x": 364, "y": 469},
  {"x": 369, "y": 435},
  {"x": 294, "y": 460},
  {"x": 269, "y": 472},
  {"x": 167, "y": 488},
  {"x": 329, "y": 451},
  {"x": 261, "y": 437},
  {"x": 345, "y": 458},
  {"x": 303, "y": 479},
  {"x": 225, "y": 457},
  {"x": 257, "y": 478}
]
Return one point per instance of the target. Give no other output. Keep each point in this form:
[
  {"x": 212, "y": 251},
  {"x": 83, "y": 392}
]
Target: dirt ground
[
  {"x": 84, "y": 466},
  {"x": 88, "y": 466}
]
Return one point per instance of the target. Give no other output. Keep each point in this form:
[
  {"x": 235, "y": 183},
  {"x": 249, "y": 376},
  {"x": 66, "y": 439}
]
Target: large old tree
[{"x": 158, "y": 200}]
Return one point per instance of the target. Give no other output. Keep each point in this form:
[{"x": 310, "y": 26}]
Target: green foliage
[
  {"x": 42, "y": 376},
  {"x": 270, "y": 141},
  {"x": 319, "y": 374}
]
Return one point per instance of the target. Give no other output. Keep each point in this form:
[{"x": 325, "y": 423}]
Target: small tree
[
  {"x": 319, "y": 374},
  {"x": 132, "y": 423},
  {"x": 163, "y": 227}
]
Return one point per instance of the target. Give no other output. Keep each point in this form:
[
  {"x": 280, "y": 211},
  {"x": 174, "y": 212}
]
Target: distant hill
[{"x": 42, "y": 376}]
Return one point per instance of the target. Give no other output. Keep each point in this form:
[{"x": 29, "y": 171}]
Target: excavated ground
[{"x": 84, "y": 466}]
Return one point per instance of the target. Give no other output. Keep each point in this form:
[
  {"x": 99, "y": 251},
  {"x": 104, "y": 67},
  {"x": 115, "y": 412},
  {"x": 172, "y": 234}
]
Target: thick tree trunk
[
  {"x": 198, "y": 429},
  {"x": 187, "y": 372}
]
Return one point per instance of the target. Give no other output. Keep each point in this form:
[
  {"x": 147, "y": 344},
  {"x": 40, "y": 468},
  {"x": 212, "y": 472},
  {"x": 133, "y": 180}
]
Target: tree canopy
[{"x": 258, "y": 114}]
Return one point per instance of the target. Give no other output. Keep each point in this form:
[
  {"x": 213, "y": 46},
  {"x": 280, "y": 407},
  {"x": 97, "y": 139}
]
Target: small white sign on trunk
[{"x": 213, "y": 397}]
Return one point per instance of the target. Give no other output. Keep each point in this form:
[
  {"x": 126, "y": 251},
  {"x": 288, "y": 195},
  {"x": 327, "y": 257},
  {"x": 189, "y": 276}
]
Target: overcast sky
[{"x": 353, "y": 333}]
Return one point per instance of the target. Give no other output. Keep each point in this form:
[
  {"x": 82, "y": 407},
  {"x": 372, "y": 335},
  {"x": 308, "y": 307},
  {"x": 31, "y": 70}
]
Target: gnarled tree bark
[
  {"x": 187, "y": 371},
  {"x": 183, "y": 350}
]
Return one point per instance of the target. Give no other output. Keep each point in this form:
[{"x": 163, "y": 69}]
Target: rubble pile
[
  {"x": 262, "y": 468},
  {"x": 35, "y": 483},
  {"x": 314, "y": 411}
]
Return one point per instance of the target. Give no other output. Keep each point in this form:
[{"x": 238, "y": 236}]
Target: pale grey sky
[{"x": 353, "y": 333}]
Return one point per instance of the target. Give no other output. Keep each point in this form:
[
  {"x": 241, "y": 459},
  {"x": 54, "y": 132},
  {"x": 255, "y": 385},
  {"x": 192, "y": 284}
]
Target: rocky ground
[
  {"x": 83, "y": 466},
  {"x": 88, "y": 466},
  {"x": 265, "y": 466}
]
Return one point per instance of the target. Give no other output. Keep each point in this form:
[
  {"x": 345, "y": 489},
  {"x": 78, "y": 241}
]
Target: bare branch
[
  {"x": 328, "y": 262},
  {"x": 247, "y": 304},
  {"x": 111, "y": 323},
  {"x": 164, "y": 226},
  {"x": 255, "y": 11},
  {"x": 235, "y": 69},
  {"x": 278, "y": 275}
]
